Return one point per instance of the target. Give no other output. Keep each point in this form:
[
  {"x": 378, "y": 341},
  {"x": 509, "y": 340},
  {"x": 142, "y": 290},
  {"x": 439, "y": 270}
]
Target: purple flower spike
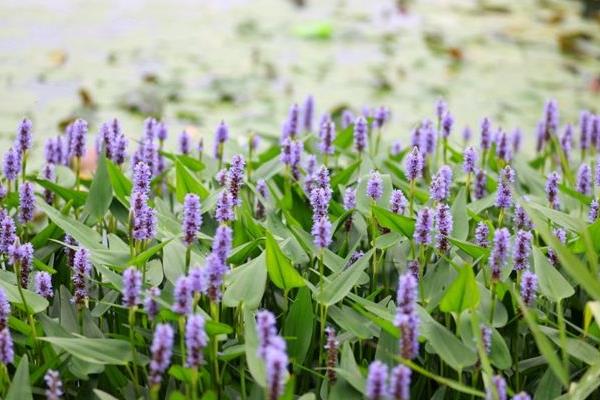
[
  {"x": 396, "y": 148},
  {"x": 263, "y": 192},
  {"x": 416, "y": 138},
  {"x": 398, "y": 202},
  {"x": 82, "y": 269},
  {"x": 222, "y": 243},
  {"x": 480, "y": 184},
  {"x": 327, "y": 135},
  {"x": 516, "y": 139},
  {"x": 500, "y": 389},
  {"x": 440, "y": 184},
  {"x": 7, "y": 233},
  {"x": 161, "y": 131},
  {"x": 522, "y": 250},
  {"x": 486, "y": 134},
  {"x": 23, "y": 141},
  {"x": 321, "y": 232},
  {"x": 381, "y": 116},
  {"x": 78, "y": 131},
  {"x": 503, "y": 148},
  {"x": 499, "y": 253},
  {"x": 293, "y": 121},
  {"x": 266, "y": 330},
  {"x": 235, "y": 177},
  {"x": 521, "y": 396},
  {"x": 132, "y": 287},
  {"x": 142, "y": 174},
  {"x": 470, "y": 159},
  {"x": 221, "y": 136},
  {"x": 22, "y": 255},
  {"x": 444, "y": 222},
  {"x": 43, "y": 284},
  {"x": 521, "y": 219},
  {"x": 504, "y": 194},
  {"x": 447, "y": 123},
  {"x": 6, "y": 347},
  {"x": 48, "y": 174},
  {"x": 4, "y": 309},
  {"x": 551, "y": 116},
  {"x": 467, "y": 134},
  {"x": 423, "y": 226},
  {"x": 184, "y": 143},
  {"x": 594, "y": 211},
  {"x": 441, "y": 107},
  {"x": 400, "y": 383},
  {"x": 224, "y": 209},
  {"x": 584, "y": 126},
  {"x": 319, "y": 201},
  {"x": 332, "y": 352},
  {"x": 196, "y": 340},
  {"x": 215, "y": 272},
  {"x": 192, "y": 218},
  {"x": 360, "y": 134},
  {"x": 584, "y": 180},
  {"x": 529, "y": 282},
  {"x": 54, "y": 384},
  {"x": 552, "y": 189},
  {"x": 308, "y": 114},
  {"x": 407, "y": 293},
  {"x": 566, "y": 141},
  {"x": 12, "y": 164},
  {"x": 376, "y": 386},
  {"x": 161, "y": 351},
  {"x": 182, "y": 296},
  {"x": 26, "y": 203},
  {"x": 561, "y": 235},
  {"x": 414, "y": 164},
  {"x": 486, "y": 338},
  {"x": 347, "y": 119},
  {"x": 375, "y": 186},
  {"x": 349, "y": 199},
  {"x": 276, "y": 364},
  {"x": 540, "y": 132},
  {"x": 430, "y": 137},
  {"x": 150, "y": 304}
]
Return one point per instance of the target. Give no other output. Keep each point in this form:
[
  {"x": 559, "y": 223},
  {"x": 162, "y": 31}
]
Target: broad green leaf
[
  {"x": 246, "y": 284},
  {"x": 255, "y": 364},
  {"x": 342, "y": 282},
  {"x": 552, "y": 284},
  {"x": 35, "y": 302},
  {"x": 343, "y": 176},
  {"x": 364, "y": 203},
  {"x": 97, "y": 351},
  {"x": 145, "y": 255},
  {"x": 344, "y": 138},
  {"x": 471, "y": 249},
  {"x": 298, "y": 327},
  {"x": 280, "y": 269},
  {"x": 186, "y": 183},
  {"x": 349, "y": 370},
  {"x": 120, "y": 183},
  {"x": 78, "y": 198},
  {"x": 351, "y": 321},
  {"x": 459, "y": 216},
  {"x": 20, "y": 388},
  {"x": 174, "y": 260},
  {"x": 394, "y": 222},
  {"x": 103, "y": 395},
  {"x": 585, "y": 387},
  {"x": 577, "y": 348},
  {"x": 462, "y": 293},
  {"x": 101, "y": 192}
]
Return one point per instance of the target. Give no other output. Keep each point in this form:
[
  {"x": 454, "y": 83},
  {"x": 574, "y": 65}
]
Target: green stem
[
  {"x": 133, "y": 350},
  {"x": 562, "y": 334},
  {"x": 214, "y": 311}
]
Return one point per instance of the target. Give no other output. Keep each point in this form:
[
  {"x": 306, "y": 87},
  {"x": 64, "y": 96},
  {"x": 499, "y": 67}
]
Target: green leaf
[
  {"x": 255, "y": 364},
  {"x": 459, "y": 216},
  {"x": 394, "y": 222},
  {"x": 462, "y": 294},
  {"x": 280, "y": 269},
  {"x": 246, "y": 284},
  {"x": 101, "y": 192},
  {"x": 145, "y": 255},
  {"x": 471, "y": 249},
  {"x": 187, "y": 183},
  {"x": 586, "y": 386},
  {"x": 344, "y": 138},
  {"x": 96, "y": 351},
  {"x": 320, "y": 30},
  {"x": 342, "y": 282},
  {"x": 174, "y": 260},
  {"x": 552, "y": 284},
  {"x": 298, "y": 327},
  {"x": 120, "y": 183},
  {"x": 349, "y": 370},
  {"x": 20, "y": 388},
  {"x": 78, "y": 198},
  {"x": 343, "y": 176},
  {"x": 103, "y": 395},
  {"x": 35, "y": 302}
]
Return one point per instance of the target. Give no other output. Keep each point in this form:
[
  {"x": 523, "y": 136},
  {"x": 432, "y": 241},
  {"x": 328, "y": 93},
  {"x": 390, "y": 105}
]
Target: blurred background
[{"x": 193, "y": 63}]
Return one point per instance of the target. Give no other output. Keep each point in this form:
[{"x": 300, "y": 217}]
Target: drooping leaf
[
  {"x": 462, "y": 294},
  {"x": 281, "y": 271}
]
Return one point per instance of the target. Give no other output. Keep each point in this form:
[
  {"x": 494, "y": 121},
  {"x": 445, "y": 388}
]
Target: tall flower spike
[
  {"x": 447, "y": 123},
  {"x": 266, "y": 330},
  {"x": 319, "y": 201},
  {"x": 23, "y": 140},
  {"x": 429, "y": 137},
  {"x": 196, "y": 340},
  {"x": 499, "y": 253},
  {"x": 224, "y": 209},
  {"x": 551, "y": 116},
  {"x": 521, "y": 396},
  {"x": 566, "y": 141},
  {"x": 23, "y": 255},
  {"x": 150, "y": 304},
  {"x": 184, "y": 142},
  {"x": 192, "y": 218},
  {"x": 486, "y": 134},
  {"x": 382, "y": 115},
  {"x": 263, "y": 192},
  {"x": 503, "y": 148},
  {"x": 423, "y": 226},
  {"x": 400, "y": 383},
  {"x": 12, "y": 164},
  {"x": 221, "y": 136},
  {"x": 78, "y": 131},
  {"x": 54, "y": 384},
  {"x": 466, "y": 134},
  {"x": 349, "y": 199},
  {"x": 327, "y": 135},
  {"x": 142, "y": 174},
  {"x": 308, "y": 114},
  {"x": 332, "y": 353},
  {"x": 480, "y": 184},
  {"x": 81, "y": 273},
  {"x": 594, "y": 211},
  {"x": 406, "y": 296},
  {"x": 444, "y": 222},
  {"x": 396, "y": 147},
  {"x": 504, "y": 194},
  {"x": 584, "y": 180},
  {"x": 521, "y": 219},
  {"x": 441, "y": 107},
  {"x": 276, "y": 364},
  {"x": 7, "y": 233},
  {"x": 375, "y": 186},
  {"x": 584, "y": 126},
  {"x": 4, "y": 309},
  {"x": 221, "y": 246},
  {"x": 486, "y": 338},
  {"x": 552, "y": 189},
  {"x": 182, "y": 296},
  {"x": 522, "y": 250},
  {"x": 43, "y": 284},
  {"x": 360, "y": 134},
  {"x": 132, "y": 287},
  {"x": 235, "y": 177},
  {"x": 398, "y": 202},
  {"x": 529, "y": 282},
  {"x": 414, "y": 164},
  {"x": 561, "y": 235},
  {"x": 516, "y": 139},
  {"x": 470, "y": 159},
  {"x": 6, "y": 347},
  {"x": 161, "y": 351},
  {"x": 48, "y": 174},
  {"x": 321, "y": 231},
  {"x": 215, "y": 272},
  {"x": 293, "y": 121},
  {"x": 376, "y": 386},
  {"x": 500, "y": 389},
  {"x": 26, "y": 203},
  {"x": 198, "y": 280},
  {"x": 347, "y": 119}
]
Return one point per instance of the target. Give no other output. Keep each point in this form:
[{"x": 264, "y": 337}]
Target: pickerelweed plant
[{"x": 318, "y": 264}]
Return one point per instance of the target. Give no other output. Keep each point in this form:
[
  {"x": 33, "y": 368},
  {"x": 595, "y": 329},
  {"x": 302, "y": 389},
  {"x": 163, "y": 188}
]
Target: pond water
[{"x": 196, "y": 62}]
